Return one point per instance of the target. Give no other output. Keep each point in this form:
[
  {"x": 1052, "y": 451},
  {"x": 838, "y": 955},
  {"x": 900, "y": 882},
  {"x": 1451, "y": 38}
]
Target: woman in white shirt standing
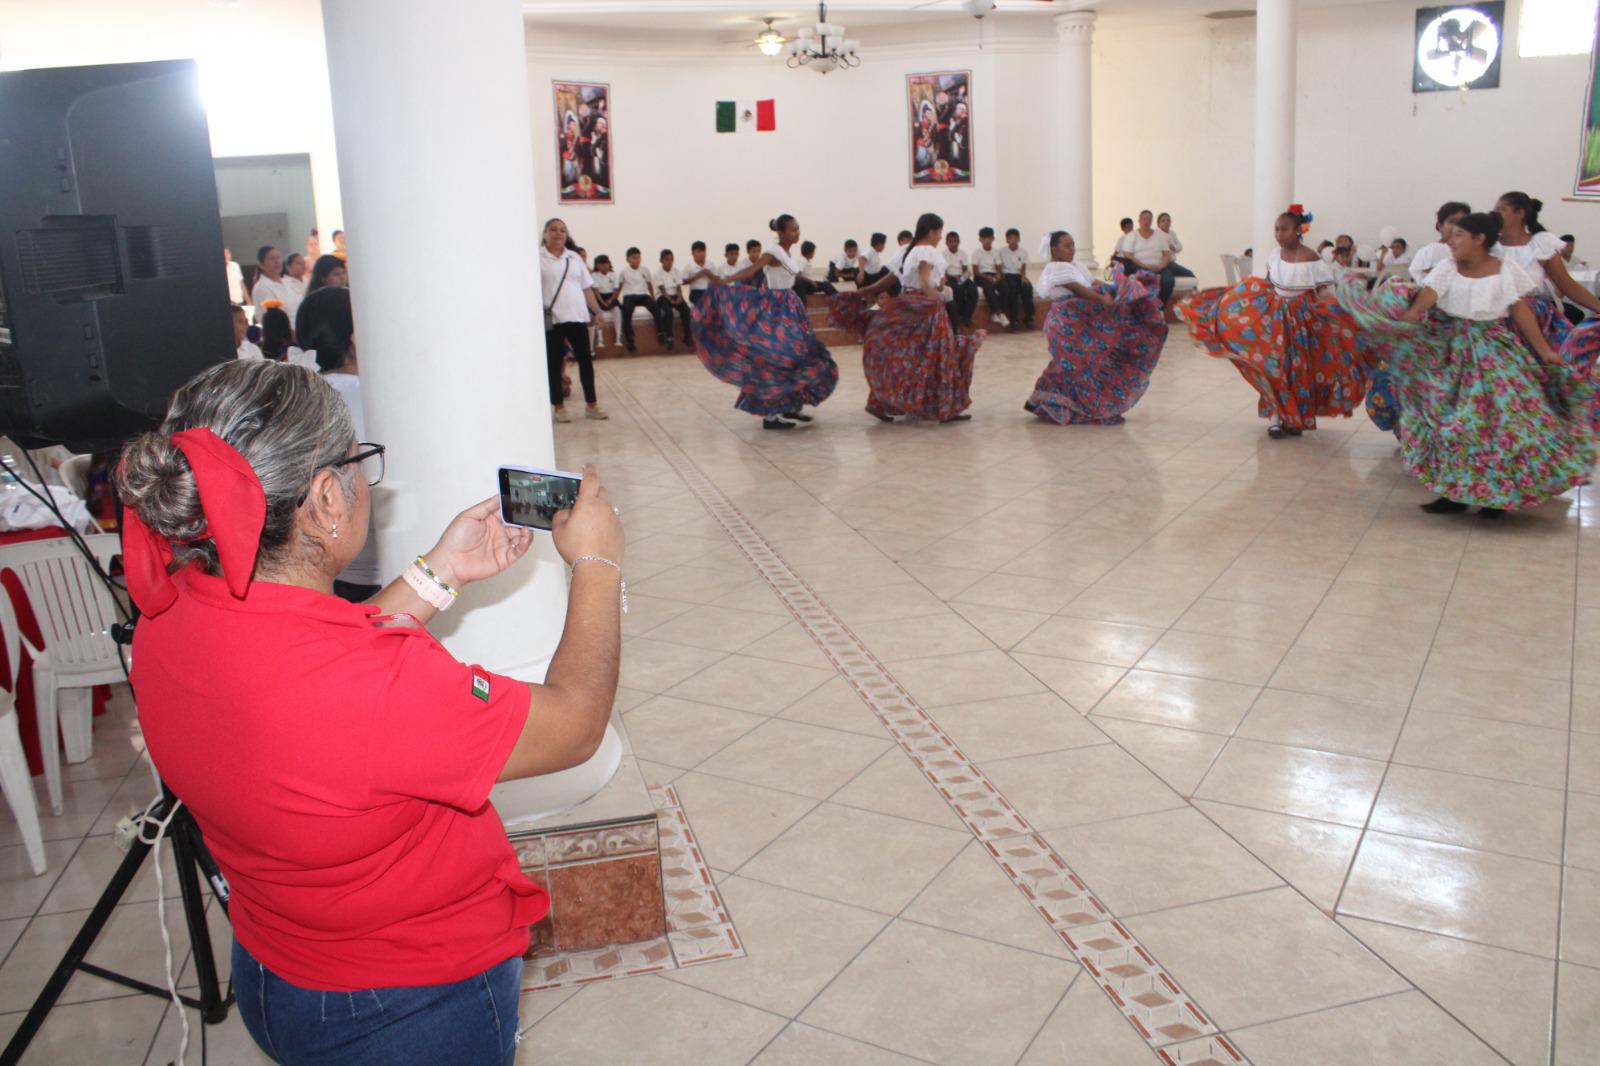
[
  {"x": 1300, "y": 352},
  {"x": 568, "y": 305},
  {"x": 759, "y": 336},
  {"x": 1494, "y": 417},
  {"x": 1104, "y": 340},
  {"x": 916, "y": 365}
]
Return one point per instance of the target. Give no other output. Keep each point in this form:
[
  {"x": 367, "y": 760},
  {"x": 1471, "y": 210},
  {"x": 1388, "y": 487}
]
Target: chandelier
[{"x": 823, "y": 47}]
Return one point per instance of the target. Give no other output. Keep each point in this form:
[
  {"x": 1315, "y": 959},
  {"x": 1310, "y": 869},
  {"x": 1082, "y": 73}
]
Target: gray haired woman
[{"x": 337, "y": 758}]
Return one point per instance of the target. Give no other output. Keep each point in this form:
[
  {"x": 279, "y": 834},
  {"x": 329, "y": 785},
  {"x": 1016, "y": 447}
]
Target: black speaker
[{"x": 112, "y": 287}]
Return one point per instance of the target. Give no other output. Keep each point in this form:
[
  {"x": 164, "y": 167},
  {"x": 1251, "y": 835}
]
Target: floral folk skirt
[
  {"x": 761, "y": 340},
  {"x": 1101, "y": 358},
  {"x": 915, "y": 363}
]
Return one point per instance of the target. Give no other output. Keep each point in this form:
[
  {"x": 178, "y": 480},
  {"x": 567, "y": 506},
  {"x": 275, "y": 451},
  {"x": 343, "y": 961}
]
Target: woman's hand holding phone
[
  {"x": 477, "y": 545},
  {"x": 591, "y": 526}
]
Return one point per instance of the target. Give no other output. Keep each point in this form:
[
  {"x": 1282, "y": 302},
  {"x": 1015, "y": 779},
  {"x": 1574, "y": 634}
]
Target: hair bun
[
  {"x": 155, "y": 479},
  {"x": 1538, "y": 204}
]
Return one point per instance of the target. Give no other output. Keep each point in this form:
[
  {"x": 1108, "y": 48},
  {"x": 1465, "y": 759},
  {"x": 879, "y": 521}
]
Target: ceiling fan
[
  {"x": 979, "y": 8},
  {"x": 769, "y": 40}
]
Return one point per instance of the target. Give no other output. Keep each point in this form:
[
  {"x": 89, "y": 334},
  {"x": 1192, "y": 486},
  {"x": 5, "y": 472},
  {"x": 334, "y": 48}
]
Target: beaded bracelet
[
  {"x": 614, "y": 566},
  {"x": 428, "y": 585}
]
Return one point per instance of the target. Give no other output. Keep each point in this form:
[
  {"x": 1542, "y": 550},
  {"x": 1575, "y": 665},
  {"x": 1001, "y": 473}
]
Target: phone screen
[{"x": 531, "y": 498}]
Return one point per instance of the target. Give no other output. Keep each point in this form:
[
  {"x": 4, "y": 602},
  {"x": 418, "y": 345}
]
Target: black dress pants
[
  {"x": 1018, "y": 293},
  {"x": 665, "y": 309},
  {"x": 556, "y": 342},
  {"x": 628, "y": 304}
]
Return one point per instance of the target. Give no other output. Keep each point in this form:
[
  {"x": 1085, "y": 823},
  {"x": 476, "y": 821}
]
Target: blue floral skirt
[
  {"x": 761, "y": 340},
  {"x": 1101, "y": 358}
]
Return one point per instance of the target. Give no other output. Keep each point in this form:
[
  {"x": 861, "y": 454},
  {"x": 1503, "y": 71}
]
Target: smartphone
[{"x": 530, "y": 497}]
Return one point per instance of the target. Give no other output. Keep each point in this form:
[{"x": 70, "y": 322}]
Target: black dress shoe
[
  {"x": 957, "y": 418},
  {"x": 880, "y": 416},
  {"x": 1276, "y": 432},
  {"x": 773, "y": 423},
  {"x": 1443, "y": 506},
  {"x": 1030, "y": 407},
  {"x": 795, "y": 416},
  {"x": 1491, "y": 512}
]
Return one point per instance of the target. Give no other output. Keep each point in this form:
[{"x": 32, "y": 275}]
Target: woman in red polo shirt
[{"x": 336, "y": 757}]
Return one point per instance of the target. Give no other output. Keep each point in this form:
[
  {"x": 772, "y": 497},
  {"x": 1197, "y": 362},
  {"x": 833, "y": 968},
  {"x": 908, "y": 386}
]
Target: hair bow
[{"x": 235, "y": 507}]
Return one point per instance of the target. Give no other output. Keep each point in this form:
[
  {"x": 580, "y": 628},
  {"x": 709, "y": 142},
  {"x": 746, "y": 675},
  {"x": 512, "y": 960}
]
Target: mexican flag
[{"x": 731, "y": 114}]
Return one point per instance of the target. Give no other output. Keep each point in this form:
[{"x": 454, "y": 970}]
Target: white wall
[
  {"x": 263, "y": 71},
  {"x": 1173, "y": 131},
  {"x": 837, "y": 160}
]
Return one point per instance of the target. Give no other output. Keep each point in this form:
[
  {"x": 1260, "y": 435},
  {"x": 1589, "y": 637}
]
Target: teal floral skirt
[{"x": 1485, "y": 421}]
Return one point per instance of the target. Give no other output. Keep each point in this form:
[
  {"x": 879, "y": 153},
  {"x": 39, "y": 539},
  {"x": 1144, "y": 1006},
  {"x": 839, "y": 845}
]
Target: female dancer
[
  {"x": 1492, "y": 419},
  {"x": 759, "y": 336},
  {"x": 1298, "y": 351},
  {"x": 1104, "y": 340},
  {"x": 915, "y": 364},
  {"x": 1382, "y": 405},
  {"x": 1538, "y": 252}
]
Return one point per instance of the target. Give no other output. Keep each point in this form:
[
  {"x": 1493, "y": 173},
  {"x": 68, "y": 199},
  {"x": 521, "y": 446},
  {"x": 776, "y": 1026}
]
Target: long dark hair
[
  {"x": 325, "y": 265},
  {"x": 927, "y": 222},
  {"x": 1529, "y": 206},
  {"x": 1448, "y": 210},
  {"x": 1485, "y": 224},
  {"x": 325, "y": 325}
]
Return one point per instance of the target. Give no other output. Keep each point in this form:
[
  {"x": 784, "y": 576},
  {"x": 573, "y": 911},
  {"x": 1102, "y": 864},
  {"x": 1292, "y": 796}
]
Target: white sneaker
[
  {"x": 1002, "y": 321},
  {"x": 561, "y": 415}
]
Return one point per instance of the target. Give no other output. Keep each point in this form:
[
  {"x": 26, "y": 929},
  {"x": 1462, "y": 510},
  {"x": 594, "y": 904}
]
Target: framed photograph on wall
[
  {"x": 584, "y": 165},
  {"x": 1458, "y": 46},
  {"x": 939, "y": 111},
  {"x": 1587, "y": 186}
]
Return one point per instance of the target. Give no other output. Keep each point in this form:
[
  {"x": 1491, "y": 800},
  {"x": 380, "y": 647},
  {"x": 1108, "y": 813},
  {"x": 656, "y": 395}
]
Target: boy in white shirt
[
  {"x": 701, "y": 274},
  {"x": 872, "y": 268},
  {"x": 605, "y": 294},
  {"x": 963, "y": 292},
  {"x": 1015, "y": 286},
  {"x": 669, "y": 300},
  {"x": 988, "y": 276},
  {"x": 1126, "y": 225},
  {"x": 846, "y": 265},
  {"x": 804, "y": 284},
  {"x": 730, "y": 263},
  {"x": 269, "y": 282},
  {"x": 752, "y": 253},
  {"x": 634, "y": 289}
]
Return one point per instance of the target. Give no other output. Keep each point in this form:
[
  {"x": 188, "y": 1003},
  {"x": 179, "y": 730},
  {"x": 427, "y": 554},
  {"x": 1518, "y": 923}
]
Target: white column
[
  {"x": 1275, "y": 91},
  {"x": 430, "y": 109},
  {"x": 1072, "y": 184}
]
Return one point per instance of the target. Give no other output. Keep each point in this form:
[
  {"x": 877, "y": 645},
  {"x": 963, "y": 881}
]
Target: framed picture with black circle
[{"x": 1458, "y": 46}]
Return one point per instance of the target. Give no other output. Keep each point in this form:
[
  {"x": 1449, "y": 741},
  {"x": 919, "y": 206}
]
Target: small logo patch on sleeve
[{"x": 480, "y": 685}]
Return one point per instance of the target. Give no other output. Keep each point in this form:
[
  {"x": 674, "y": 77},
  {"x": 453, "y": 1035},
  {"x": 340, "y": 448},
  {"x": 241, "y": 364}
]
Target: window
[{"x": 1555, "y": 28}]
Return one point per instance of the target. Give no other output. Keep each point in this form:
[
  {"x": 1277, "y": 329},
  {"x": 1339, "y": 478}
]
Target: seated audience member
[
  {"x": 670, "y": 301},
  {"x": 959, "y": 283},
  {"x": 269, "y": 282},
  {"x": 296, "y": 276},
  {"x": 330, "y": 327},
  {"x": 989, "y": 277},
  {"x": 1392, "y": 256},
  {"x": 1569, "y": 246},
  {"x": 1015, "y": 286},
  {"x": 337, "y": 758},
  {"x": 635, "y": 290},
  {"x": 730, "y": 265},
  {"x": 1126, "y": 226},
  {"x": 752, "y": 252},
  {"x": 235, "y": 278},
  {"x": 1325, "y": 251},
  {"x": 276, "y": 334},
  {"x": 872, "y": 267},
  {"x": 605, "y": 297},
  {"x": 244, "y": 348},
  {"x": 1164, "y": 224},
  {"x": 1150, "y": 249},
  {"x": 328, "y": 270},
  {"x": 844, "y": 266},
  {"x": 1344, "y": 252},
  {"x": 338, "y": 245},
  {"x": 804, "y": 283},
  {"x": 700, "y": 273}
]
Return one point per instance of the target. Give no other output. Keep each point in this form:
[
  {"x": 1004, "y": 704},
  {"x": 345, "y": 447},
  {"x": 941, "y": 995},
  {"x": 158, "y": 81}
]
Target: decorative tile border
[
  {"x": 1157, "y": 1007},
  {"x": 699, "y": 929}
]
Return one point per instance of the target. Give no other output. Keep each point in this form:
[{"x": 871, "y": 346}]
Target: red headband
[{"x": 235, "y": 507}]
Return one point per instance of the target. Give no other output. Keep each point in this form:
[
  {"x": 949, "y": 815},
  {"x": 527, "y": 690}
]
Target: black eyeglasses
[{"x": 370, "y": 456}]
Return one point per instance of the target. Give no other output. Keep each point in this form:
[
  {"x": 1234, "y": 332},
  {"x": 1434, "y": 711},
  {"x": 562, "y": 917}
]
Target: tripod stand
[{"x": 192, "y": 860}]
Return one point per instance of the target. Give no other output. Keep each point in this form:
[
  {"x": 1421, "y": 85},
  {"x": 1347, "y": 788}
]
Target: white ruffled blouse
[
  {"x": 1531, "y": 257},
  {"x": 1479, "y": 299},
  {"x": 1056, "y": 276}
]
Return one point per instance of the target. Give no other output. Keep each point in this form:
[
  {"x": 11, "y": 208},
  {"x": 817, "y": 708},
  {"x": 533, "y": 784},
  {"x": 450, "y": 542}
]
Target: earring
[{"x": 336, "y": 531}]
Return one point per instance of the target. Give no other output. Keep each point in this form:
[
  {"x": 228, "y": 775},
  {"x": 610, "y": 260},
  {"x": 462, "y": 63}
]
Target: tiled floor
[{"x": 959, "y": 709}]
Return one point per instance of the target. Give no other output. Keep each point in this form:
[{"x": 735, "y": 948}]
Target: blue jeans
[{"x": 468, "y": 1023}]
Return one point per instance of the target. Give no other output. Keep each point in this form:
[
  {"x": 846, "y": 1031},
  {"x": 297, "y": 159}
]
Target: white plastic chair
[
  {"x": 1230, "y": 269},
  {"x": 75, "y": 475},
  {"x": 75, "y": 613},
  {"x": 15, "y": 780}
]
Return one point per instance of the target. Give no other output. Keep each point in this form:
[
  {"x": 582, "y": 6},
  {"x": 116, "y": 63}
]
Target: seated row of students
[{"x": 1000, "y": 274}]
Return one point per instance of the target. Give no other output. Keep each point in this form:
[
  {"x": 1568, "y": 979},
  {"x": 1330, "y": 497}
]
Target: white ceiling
[{"x": 741, "y": 15}]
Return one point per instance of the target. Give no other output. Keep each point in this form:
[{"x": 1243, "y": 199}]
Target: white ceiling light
[
  {"x": 823, "y": 47},
  {"x": 769, "y": 40},
  {"x": 977, "y": 8}
]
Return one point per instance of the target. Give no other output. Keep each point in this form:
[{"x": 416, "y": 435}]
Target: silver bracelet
[{"x": 614, "y": 566}]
